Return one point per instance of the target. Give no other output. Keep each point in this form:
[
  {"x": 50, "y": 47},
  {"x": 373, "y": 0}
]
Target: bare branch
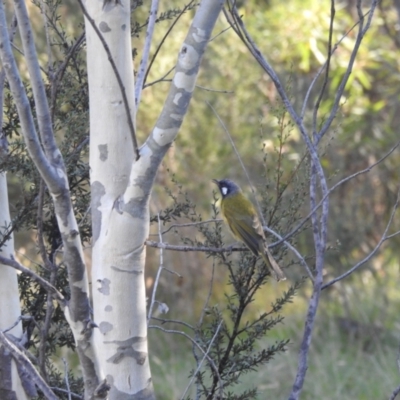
[
  {"x": 318, "y": 74},
  {"x": 26, "y": 366},
  {"x": 339, "y": 92},
  {"x": 373, "y": 252},
  {"x": 209, "y": 359},
  {"x": 160, "y": 268},
  {"x": 201, "y": 363},
  {"x": 42, "y": 7},
  {"x": 74, "y": 395},
  {"x": 38, "y": 88},
  {"x": 187, "y": 7},
  {"x": 240, "y": 160},
  {"x": 190, "y": 224},
  {"x": 395, "y": 393},
  {"x": 162, "y": 79},
  {"x": 66, "y": 378},
  {"x": 294, "y": 250},
  {"x": 203, "y": 249},
  {"x": 334, "y": 187},
  {"x": 20, "y": 97},
  {"x": 58, "y": 75},
  {"x": 328, "y": 62},
  {"x": 42, "y": 282},
  {"x": 146, "y": 51}
]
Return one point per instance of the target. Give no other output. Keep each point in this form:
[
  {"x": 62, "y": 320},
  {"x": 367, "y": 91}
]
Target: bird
[{"x": 240, "y": 215}]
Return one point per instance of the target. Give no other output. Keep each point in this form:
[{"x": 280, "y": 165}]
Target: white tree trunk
[
  {"x": 9, "y": 299},
  {"x": 121, "y": 188},
  {"x": 118, "y": 239}
]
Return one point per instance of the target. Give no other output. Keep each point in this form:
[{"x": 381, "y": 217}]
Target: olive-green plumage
[{"x": 242, "y": 219}]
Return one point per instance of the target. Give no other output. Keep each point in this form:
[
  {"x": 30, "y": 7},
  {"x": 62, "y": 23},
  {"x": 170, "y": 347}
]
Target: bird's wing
[{"x": 243, "y": 228}]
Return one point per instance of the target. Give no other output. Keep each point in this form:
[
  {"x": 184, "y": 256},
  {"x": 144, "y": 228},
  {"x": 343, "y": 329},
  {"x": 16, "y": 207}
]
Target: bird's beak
[{"x": 216, "y": 181}]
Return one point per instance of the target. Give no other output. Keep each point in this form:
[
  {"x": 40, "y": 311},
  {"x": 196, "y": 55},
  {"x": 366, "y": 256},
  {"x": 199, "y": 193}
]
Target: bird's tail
[{"x": 273, "y": 265}]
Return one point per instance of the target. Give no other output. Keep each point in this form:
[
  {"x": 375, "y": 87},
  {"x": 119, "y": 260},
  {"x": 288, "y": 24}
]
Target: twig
[
  {"x": 215, "y": 90},
  {"x": 190, "y": 224},
  {"x": 209, "y": 359},
  {"x": 118, "y": 77},
  {"x": 66, "y": 377},
  {"x": 39, "y": 225},
  {"x": 46, "y": 285},
  {"x": 48, "y": 48},
  {"x": 18, "y": 320},
  {"x": 294, "y": 250},
  {"x": 240, "y": 160},
  {"x": 317, "y": 75},
  {"x": 339, "y": 92},
  {"x": 204, "y": 249},
  {"x": 160, "y": 268},
  {"x": 74, "y": 395},
  {"x": 395, "y": 393},
  {"x": 23, "y": 361},
  {"x": 173, "y": 321},
  {"x": 203, "y": 313},
  {"x": 164, "y": 38},
  {"x": 372, "y": 253},
  {"x": 341, "y": 182},
  {"x": 328, "y": 62},
  {"x": 162, "y": 79},
  {"x": 201, "y": 363},
  {"x": 59, "y": 74},
  {"x": 146, "y": 52}
]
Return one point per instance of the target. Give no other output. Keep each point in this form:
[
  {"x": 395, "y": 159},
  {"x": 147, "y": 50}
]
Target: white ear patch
[{"x": 224, "y": 190}]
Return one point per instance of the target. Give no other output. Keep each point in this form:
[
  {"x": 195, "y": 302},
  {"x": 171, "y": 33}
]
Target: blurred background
[{"x": 356, "y": 339}]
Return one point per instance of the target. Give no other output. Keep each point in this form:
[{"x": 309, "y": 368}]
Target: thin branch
[
  {"x": 328, "y": 62},
  {"x": 190, "y": 224},
  {"x": 395, "y": 393},
  {"x": 162, "y": 79},
  {"x": 373, "y": 252},
  {"x": 201, "y": 363},
  {"x": 48, "y": 46},
  {"x": 335, "y": 47},
  {"x": 209, "y": 359},
  {"x": 42, "y": 282},
  {"x": 26, "y": 365},
  {"x": 294, "y": 250},
  {"x": 240, "y": 160},
  {"x": 160, "y": 268},
  {"x": 173, "y": 321},
  {"x": 38, "y": 87},
  {"x": 164, "y": 38},
  {"x": 59, "y": 74},
  {"x": 18, "y": 320},
  {"x": 204, "y": 249},
  {"x": 341, "y": 182},
  {"x": 146, "y": 52},
  {"x": 22, "y": 102},
  {"x": 39, "y": 224},
  {"x": 339, "y": 92},
  {"x": 117, "y": 76},
  {"x": 66, "y": 378},
  {"x": 74, "y": 395},
  {"x": 215, "y": 90}
]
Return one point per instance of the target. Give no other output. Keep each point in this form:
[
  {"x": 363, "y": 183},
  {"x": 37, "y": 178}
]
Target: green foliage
[{"x": 232, "y": 331}]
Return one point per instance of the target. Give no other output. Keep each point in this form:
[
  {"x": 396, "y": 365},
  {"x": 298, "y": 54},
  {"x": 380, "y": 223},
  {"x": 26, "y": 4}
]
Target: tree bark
[
  {"x": 10, "y": 310},
  {"x": 121, "y": 188}
]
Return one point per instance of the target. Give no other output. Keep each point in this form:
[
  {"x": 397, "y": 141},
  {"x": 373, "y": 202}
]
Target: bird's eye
[{"x": 224, "y": 190}]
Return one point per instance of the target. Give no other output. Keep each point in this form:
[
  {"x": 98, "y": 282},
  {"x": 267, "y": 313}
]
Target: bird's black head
[{"x": 226, "y": 187}]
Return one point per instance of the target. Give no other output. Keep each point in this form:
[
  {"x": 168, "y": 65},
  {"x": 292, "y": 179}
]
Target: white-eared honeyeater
[{"x": 241, "y": 216}]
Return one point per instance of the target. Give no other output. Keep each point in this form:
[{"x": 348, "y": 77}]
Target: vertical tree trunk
[
  {"x": 118, "y": 239},
  {"x": 10, "y": 384}
]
